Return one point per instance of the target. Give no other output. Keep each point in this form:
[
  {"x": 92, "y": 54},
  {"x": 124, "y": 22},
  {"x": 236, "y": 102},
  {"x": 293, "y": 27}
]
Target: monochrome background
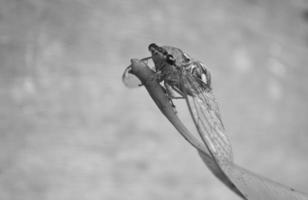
[{"x": 69, "y": 128}]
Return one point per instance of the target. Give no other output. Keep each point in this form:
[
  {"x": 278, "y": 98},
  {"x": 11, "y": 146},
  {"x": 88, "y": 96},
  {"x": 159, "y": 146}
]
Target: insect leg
[
  {"x": 208, "y": 78},
  {"x": 202, "y": 73},
  {"x": 170, "y": 93},
  {"x": 146, "y": 58},
  {"x": 173, "y": 91}
]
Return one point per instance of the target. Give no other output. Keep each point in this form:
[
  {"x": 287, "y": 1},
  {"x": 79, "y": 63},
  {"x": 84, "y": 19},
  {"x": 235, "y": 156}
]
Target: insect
[
  {"x": 176, "y": 70},
  {"x": 183, "y": 77},
  {"x": 191, "y": 80}
]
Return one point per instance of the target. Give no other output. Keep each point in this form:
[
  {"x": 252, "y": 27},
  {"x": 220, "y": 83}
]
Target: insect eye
[
  {"x": 152, "y": 46},
  {"x": 170, "y": 59}
]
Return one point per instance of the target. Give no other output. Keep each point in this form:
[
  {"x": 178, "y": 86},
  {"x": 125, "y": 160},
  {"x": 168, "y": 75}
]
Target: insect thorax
[
  {"x": 171, "y": 71},
  {"x": 171, "y": 75}
]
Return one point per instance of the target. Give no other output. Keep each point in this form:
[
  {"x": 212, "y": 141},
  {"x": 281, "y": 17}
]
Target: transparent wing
[{"x": 206, "y": 116}]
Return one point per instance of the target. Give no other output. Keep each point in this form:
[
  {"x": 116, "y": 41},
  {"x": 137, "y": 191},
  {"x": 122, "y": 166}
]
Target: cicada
[
  {"x": 181, "y": 76},
  {"x": 174, "y": 70}
]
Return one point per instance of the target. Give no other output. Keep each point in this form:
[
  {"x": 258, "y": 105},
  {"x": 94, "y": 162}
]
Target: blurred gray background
[{"x": 71, "y": 130}]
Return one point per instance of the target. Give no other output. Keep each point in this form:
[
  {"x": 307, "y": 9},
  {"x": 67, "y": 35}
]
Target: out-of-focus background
[{"x": 71, "y": 130}]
